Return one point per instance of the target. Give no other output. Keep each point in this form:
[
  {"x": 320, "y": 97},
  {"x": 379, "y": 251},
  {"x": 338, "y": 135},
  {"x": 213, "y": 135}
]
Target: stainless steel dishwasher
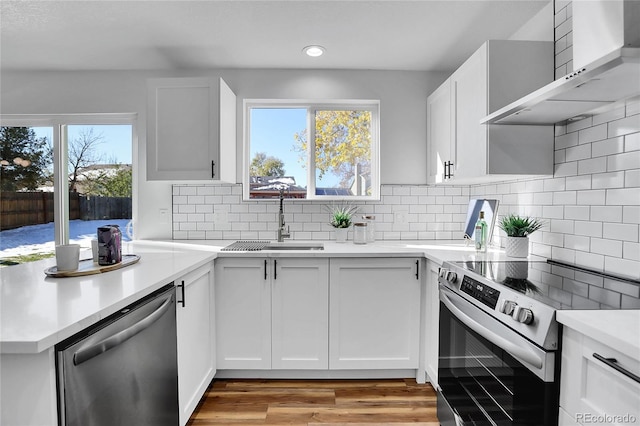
[{"x": 122, "y": 371}]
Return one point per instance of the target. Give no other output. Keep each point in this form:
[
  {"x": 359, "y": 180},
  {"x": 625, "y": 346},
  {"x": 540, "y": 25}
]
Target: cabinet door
[
  {"x": 469, "y": 88},
  {"x": 195, "y": 325},
  {"x": 300, "y": 316},
  {"x": 439, "y": 137},
  {"x": 374, "y": 315},
  {"x": 592, "y": 390},
  {"x": 191, "y": 129},
  {"x": 243, "y": 313},
  {"x": 181, "y": 132},
  {"x": 432, "y": 308}
]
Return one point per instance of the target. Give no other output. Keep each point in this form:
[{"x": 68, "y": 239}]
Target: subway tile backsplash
[{"x": 405, "y": 212}]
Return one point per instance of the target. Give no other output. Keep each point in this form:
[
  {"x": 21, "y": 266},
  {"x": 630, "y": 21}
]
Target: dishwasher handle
[{"x": 110, "y": 342}]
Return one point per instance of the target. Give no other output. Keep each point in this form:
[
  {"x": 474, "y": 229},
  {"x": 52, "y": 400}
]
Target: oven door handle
[{"x": 503, "y": 343}]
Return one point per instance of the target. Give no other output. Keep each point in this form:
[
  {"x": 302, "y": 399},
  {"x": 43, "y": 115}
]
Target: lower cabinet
[
  {"x": 272, "y": 313},
  {"x": 374, "y": 313},
  {"x": 195, "y": 327},
  {"x": 243, "y": 313},
  {"x": 593, "y": 392},
  {"x": 432, "y": 323},
  {"x": 317, "y": 313},
  {"x": 299, "y": 318}
]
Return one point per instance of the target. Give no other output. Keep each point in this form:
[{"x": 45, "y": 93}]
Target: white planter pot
[
  {"x": 341, "y": 235},
  {"x": 517, "y": 246}
]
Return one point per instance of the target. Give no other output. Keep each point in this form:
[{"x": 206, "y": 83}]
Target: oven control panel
[{"x": 481, "y": 292}]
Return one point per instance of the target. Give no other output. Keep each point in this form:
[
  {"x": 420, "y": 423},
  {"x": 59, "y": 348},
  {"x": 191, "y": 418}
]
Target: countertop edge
[
  {"x": 600, "y": 326},
  {"x": 50, "y": 340}
]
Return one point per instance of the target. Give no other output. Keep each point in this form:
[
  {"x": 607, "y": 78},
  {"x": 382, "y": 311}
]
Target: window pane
[
  {"x": 278, "y": 152},
  {"x": 100, "y": 187},
  {"x": 343, "y": 152},
  {"x": 26, "y": 202},
  {"x": 100, "y": 180}
]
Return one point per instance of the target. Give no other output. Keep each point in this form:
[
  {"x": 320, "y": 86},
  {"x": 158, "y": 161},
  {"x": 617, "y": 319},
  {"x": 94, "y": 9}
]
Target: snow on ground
[{"x": 39, "y": 238}]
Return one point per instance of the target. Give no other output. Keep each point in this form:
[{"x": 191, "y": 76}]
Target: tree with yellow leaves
[{"x": 342, "y": 144}]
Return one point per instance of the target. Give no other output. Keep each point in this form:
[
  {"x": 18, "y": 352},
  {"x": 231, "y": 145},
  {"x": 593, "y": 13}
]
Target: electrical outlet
[
  {"x": 400, "y": 217},
  {"x": 164, "y": 215}
]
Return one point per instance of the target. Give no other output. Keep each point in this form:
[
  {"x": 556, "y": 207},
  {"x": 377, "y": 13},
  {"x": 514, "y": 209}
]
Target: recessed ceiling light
[{"x": 313, "y": 51}]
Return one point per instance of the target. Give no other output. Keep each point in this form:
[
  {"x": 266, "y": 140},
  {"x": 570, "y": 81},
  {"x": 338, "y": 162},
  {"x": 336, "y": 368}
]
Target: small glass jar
[
  {"x": 371, "y": 227},
  {"x": 360, "y": 233}
]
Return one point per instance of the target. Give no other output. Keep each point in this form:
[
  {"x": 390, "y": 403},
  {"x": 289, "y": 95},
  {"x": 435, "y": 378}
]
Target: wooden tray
[{"x": 87, "y": 267}]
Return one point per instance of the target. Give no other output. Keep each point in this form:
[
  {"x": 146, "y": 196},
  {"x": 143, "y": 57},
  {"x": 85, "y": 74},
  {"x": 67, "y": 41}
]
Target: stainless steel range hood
[{"x": 594, "y": 88}]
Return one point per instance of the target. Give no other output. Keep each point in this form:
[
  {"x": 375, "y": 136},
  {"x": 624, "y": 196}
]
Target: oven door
[{"x": 488, "y": 374}]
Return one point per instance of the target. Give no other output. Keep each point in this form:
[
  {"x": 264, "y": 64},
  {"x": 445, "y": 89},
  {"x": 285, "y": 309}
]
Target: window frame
[
  {"x": 312, "y": 106},
  {"x": 60, "y": 123}
]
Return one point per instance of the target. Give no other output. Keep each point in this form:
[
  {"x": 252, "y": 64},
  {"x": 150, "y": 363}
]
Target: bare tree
[{"x": 83, "y": 152}]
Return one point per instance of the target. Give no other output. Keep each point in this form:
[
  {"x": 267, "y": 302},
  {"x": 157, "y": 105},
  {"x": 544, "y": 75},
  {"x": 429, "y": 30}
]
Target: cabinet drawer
[{"x": 593, "y": 392}]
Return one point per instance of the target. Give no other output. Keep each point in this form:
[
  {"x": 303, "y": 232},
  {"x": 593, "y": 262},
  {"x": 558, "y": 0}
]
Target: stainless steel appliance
[
  {"x": 499, "y": 349},
  {"x": 123, "y": 370}
]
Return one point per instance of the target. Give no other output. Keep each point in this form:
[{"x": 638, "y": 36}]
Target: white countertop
[
  {"x": 37, "y": 311},
  {"x": 618, "y": 329}
]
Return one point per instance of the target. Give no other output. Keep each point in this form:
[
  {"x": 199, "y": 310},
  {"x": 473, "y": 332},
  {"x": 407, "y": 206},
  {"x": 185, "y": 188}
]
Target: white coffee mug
[{"x": 67, "y": 257}]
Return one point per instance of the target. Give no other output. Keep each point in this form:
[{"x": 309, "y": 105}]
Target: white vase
[
  {"x": 517, "y": 246},
  {"x": 341, "y": 235}
]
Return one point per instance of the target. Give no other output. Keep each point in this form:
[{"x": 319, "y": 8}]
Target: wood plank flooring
[{"x": 395, "y": 402}]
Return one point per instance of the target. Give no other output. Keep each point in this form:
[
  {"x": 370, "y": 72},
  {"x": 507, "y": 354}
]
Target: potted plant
[
  {"x": 518, "y": 228},
  {"x": 341, "y": 220}
]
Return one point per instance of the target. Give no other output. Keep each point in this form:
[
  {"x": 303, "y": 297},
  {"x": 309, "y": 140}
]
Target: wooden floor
[{"x": 395, "y": 402}]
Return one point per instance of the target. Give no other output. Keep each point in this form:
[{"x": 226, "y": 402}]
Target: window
[
  {"x": 62, "y": 177},
  {"x": 311, "y": 150}
]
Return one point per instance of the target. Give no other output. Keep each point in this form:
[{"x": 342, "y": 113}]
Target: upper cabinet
[
  {"x": 462, "y": 150},
  {"x": 191, "y": 129}
]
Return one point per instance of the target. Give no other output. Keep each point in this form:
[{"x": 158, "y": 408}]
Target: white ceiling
[{"x": 165, "y": 35}]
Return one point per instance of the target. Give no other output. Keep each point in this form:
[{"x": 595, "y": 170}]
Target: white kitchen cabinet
[
  {"x": 374, "y": 313},
  {"x": 191, "y": 129},
  {"x": 439, "y": 115},
  {"x": 243, "y": 313},
  {"x": 196, "y": 340},
  {"x": 300, "y": 317},
  {"x": 499, "y": 72},
  {"x": 592, "y": 392},
  {"x": 432, "y": 325},
  {"x": 272, "y": 313}
]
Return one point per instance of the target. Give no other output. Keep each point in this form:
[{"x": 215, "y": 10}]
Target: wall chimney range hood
[
  {"x": 592, "y": 89},
  {"x": 606, "y": 61}
]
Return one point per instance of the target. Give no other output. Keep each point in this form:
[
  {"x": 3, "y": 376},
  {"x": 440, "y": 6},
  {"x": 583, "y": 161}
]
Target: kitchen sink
[{"x": 293, "y": 246}]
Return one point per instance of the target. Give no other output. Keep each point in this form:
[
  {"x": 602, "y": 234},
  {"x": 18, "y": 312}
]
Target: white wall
[{"x": 402, "y": 98}]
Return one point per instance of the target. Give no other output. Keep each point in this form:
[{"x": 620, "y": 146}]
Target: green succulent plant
[
  {"x": 519, "y": 226},
  {"x": 341, "y": 215}
]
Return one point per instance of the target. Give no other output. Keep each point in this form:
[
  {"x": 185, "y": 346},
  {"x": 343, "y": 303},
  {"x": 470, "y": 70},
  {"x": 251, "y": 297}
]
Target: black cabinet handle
[
  {"x": 447, "y": 170},
  {"x": 417, "y": 269},
  {"x": 265, "y": 269},
  {"x": 275, "y": 269},
  {"x": 213, "y": 169},
  {"x": 182, "y": 302},
  {"x": 613, "y": 363}
]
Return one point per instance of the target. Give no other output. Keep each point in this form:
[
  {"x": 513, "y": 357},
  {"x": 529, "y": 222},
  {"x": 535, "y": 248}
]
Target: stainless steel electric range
[{"x": 500, "y": 343}]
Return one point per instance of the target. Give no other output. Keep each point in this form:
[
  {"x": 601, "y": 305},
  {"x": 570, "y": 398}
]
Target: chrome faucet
[{"x": 282, "y": 234}]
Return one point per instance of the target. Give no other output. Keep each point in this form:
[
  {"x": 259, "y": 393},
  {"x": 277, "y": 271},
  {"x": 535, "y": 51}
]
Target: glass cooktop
[{"x": 560, "y": 285}]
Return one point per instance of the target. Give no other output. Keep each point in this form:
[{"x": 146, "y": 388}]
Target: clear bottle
[
  {"x": 360, "y": 233},
  {"x": 481, "y": 234},
  {"x": 371, "y": 227}
]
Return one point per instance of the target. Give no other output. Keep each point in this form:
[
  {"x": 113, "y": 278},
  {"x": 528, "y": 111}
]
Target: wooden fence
[{"x": 32, "y": 208}]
